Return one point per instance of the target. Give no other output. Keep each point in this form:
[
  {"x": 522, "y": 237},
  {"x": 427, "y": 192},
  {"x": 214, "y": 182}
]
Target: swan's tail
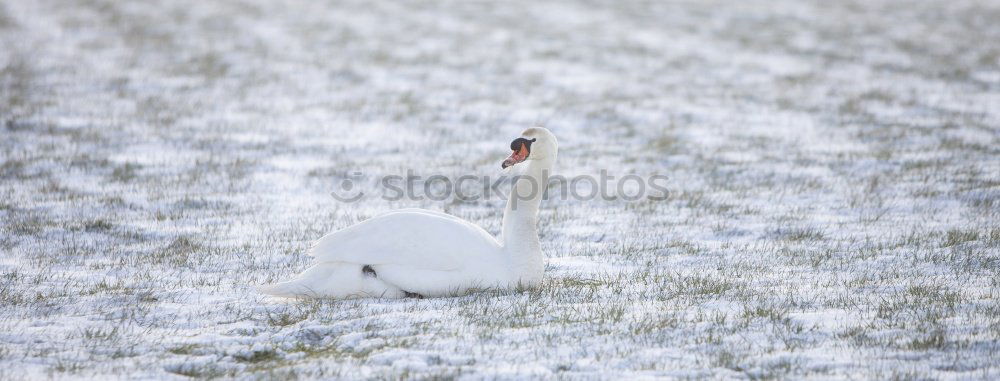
[
  {"x": 315, "y": 282},
  {"x": 332, "y": 280}
]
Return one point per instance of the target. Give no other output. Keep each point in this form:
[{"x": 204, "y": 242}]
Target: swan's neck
[{"x": 519, "y": 232}]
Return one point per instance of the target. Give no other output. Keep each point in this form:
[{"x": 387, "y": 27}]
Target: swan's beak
[{"x": 517, "y": 156}]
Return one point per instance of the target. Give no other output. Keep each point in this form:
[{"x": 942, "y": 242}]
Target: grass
[
  {"x": 957, "y": 236},
  {"x": 831, "y": 187},
  {"x": 799, "y": 234},
  {"x": 125, "y": 173}
]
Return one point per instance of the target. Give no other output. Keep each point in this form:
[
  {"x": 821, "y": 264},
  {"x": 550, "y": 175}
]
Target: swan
[{"x": 423, "y": 253}]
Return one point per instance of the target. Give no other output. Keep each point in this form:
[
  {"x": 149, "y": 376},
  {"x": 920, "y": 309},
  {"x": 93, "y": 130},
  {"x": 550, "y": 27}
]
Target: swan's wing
[{"x": 415, "y": 239}]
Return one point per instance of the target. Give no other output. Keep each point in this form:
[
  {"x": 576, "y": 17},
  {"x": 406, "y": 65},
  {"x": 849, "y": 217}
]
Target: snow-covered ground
[{"x": 834, "y": 176}]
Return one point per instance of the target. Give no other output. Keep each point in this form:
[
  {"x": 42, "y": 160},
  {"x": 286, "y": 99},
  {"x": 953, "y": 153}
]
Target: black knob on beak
[{"x": 517, "y": 143}]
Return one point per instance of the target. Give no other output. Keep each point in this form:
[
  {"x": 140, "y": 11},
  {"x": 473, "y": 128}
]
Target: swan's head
[{"x": 535, "y": 143}]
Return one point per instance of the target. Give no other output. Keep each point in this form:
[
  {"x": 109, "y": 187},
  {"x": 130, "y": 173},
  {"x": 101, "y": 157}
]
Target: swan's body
[{"x": 428, "y": 253}]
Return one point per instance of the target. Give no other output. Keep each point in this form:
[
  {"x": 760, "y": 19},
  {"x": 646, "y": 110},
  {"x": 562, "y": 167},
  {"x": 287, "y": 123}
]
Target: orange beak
[{"x": 516, "y": 157}]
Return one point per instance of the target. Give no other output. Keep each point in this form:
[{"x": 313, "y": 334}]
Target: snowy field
[{"x": 834, "y": 177}]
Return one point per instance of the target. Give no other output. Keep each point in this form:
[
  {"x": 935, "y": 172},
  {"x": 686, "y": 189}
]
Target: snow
[{"x": 832, "y": 174}]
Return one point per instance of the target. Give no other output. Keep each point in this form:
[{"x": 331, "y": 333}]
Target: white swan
[{"x": 416, "y": 252}]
